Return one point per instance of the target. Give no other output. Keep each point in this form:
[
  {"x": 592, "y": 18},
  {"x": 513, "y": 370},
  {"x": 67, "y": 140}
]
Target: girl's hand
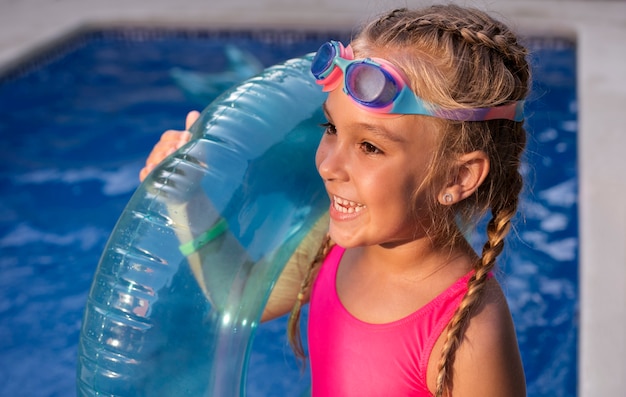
[{"x": 170, "y": 141}]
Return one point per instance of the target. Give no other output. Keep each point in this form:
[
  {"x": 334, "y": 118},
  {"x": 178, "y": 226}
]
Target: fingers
[
  {"x": 170, "y": 141},
  {"x": 191, "y": 118},
  {"x": 144, "y": 173}
]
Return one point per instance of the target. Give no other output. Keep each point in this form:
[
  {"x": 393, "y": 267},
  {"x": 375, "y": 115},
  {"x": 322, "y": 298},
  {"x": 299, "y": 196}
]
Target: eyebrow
[{"x": 377, "y": 130}]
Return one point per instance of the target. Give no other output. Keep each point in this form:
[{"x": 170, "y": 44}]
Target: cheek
[{"x": 400, "y": 188}]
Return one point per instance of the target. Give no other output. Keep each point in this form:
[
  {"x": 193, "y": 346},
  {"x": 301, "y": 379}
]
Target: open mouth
[{"x": 346, "y": 206}]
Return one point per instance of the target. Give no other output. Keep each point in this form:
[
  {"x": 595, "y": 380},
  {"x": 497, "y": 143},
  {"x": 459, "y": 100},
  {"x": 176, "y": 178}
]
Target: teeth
[{"x": 346, "y": 206}]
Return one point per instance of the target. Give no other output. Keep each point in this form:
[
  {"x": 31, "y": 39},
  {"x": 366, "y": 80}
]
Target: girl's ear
[{"x": 470, "y": 171}]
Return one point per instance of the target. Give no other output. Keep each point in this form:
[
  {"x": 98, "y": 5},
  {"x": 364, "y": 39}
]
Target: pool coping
[{"x": 28, "y": 26}]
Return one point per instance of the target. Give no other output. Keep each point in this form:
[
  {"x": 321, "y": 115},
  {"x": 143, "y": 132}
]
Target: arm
[
  {"x": 488, "y": 362},
  {"x": 287, "y": 287}
]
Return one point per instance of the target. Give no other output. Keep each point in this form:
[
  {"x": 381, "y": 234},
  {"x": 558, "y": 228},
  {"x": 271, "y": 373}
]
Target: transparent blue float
[{"x": 188, "y": 269}]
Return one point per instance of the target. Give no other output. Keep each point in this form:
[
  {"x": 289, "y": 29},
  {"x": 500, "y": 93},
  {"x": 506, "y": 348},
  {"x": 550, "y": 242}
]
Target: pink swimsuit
[{"x": 352, "y": 358}]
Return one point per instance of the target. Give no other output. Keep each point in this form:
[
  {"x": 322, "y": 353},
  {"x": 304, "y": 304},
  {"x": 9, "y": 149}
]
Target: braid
[
  {"x": 293, "y": 324},
  {"x": 497, "y": 229},
  {"x": 477, "y": 32},
  {"x": 504, "y": 208},
  {"x": 476, "y": 28}
]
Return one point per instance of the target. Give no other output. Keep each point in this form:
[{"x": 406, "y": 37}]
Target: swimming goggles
[{"x": 377, "y": 86}]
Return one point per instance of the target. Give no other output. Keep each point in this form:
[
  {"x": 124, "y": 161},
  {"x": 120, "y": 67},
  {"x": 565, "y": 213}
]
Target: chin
[{"x": 342, "y": 240}]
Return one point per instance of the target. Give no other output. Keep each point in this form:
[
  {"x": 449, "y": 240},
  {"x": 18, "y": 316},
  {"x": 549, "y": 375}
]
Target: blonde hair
[
  {"x": 293, "y": 324},
  {"x": 460, "y": 57}
]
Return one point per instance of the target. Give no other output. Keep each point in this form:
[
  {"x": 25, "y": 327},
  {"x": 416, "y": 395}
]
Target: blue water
[{"x": 76, "y": 125}]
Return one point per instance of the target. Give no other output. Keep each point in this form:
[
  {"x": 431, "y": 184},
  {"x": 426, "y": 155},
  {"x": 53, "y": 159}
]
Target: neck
[{"x": 420, "y": 259}]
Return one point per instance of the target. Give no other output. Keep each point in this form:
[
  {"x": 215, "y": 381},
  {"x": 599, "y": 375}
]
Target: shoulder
[{"x": 490, "y": 341}]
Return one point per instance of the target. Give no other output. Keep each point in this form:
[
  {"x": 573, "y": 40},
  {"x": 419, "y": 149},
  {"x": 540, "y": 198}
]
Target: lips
[{"x": 346, "y": 206}]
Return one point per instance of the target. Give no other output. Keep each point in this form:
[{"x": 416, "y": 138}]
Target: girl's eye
[
  {"x": 329, "y": 128},
  {"x": 366, "y": 147},
  {"x": 369, "y": 148}
]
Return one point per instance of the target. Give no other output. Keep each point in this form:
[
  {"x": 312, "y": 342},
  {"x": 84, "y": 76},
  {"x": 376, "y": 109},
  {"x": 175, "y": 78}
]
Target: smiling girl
[{"x": 424, "y": 137}]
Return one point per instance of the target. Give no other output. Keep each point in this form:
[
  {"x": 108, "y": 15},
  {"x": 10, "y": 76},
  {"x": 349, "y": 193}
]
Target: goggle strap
[
  {"x": 408, "y": 103},
  {"x": 513, "y": 111},
  {"x": 347, "y": 51},
  {"x": 332, "y": 81}
]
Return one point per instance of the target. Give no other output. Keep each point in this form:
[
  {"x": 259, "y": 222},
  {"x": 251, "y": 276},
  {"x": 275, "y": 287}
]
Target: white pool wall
[{"x": 27, "y": 26}]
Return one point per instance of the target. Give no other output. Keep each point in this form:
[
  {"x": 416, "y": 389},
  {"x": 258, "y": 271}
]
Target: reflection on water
[{"x": 76, "y": 128}]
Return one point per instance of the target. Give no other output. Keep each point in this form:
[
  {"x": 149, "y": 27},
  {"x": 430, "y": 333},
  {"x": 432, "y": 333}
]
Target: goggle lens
[
  {"x": 323, "y": 60},
  {"x": 369, "y": 85}
]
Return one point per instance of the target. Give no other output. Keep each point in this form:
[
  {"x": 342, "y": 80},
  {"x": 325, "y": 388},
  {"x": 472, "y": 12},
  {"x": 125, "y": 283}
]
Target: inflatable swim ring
[{"x": 188, "y": 269}]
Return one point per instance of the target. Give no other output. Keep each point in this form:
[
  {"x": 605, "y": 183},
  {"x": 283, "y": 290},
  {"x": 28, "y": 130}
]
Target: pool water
[{"x": 76, "y": 125}]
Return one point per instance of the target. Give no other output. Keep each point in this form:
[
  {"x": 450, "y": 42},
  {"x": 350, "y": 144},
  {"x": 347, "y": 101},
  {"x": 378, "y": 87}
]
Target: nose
[{"x": 331, "y": 161}]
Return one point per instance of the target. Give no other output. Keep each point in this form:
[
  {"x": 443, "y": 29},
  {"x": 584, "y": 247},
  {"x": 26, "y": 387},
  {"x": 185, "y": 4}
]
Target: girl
[{"x": 424, "y": 136}]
